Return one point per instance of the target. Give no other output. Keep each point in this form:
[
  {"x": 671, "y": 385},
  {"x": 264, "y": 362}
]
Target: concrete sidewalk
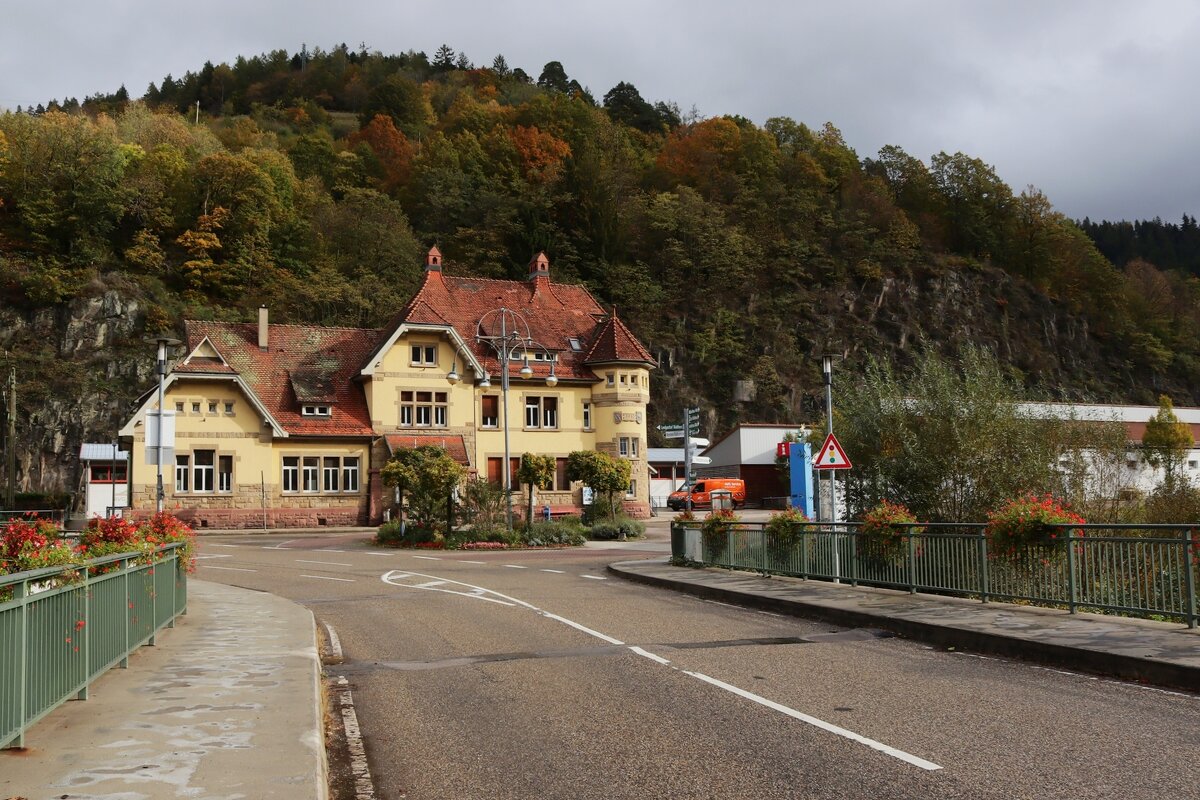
[
  {"x": 226, "y": 706},
  {"x": 1135, "y": 649}
]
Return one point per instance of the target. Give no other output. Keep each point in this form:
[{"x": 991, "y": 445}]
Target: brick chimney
[
  {"x": 263, "y": 327},
  {"x": 433, "y": 260},
  {"x": 539, "y": 267}
]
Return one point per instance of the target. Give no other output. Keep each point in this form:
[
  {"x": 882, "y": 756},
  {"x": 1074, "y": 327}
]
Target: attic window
[
  {"x": 575, "y": 344},
  {"x": 316, "y": 411}
]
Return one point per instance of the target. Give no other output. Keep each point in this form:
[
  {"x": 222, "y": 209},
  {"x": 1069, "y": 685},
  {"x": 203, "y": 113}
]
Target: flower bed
[{"x": 885, "y": 531}]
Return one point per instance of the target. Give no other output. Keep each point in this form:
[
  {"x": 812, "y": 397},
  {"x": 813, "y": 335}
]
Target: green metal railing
[
  {"x": 61, "y": 628},
  {"x": 1139, "y": 570}
]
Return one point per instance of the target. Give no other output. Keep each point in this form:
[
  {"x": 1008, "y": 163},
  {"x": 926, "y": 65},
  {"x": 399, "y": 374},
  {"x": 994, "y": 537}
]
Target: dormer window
[
  {"x": 576, "y": 345},
  {"x": 316, "y": 411}
]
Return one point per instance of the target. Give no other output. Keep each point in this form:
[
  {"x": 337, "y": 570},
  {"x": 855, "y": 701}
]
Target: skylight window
[{"x": 575, "y": 344}]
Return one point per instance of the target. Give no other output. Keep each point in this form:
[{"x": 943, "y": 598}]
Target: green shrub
[
  {"x": 604, "y": 531},
  {"x": 884, "y": 532},
  {"x": 784, "y": 532},
  {"x": 714, "y": 530},
  {"x": 389, "y": 533},
  {"x": 556, "y": 532}
]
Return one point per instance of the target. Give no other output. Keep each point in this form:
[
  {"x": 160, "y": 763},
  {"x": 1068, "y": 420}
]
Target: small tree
[
  {"x": 1166, "y": 442},
  {"x": 600, "y": 471},
  {"x": 534, "y": 471},
  {"x": 431, "y": 475}
]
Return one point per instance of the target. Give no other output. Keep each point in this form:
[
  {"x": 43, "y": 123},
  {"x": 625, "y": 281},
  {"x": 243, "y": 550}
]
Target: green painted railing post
[
  {"x": 125, "y": 610},
  {"x": 174, "y": 587},
  {"x": 149, "y": 573},
  {"x": 912, "y": 564},
  {"x": 87, "y": 646},
  {"x": 804, "y": 542},
  {"x": 1072, "y": 588},
  {"x": 21, "y": 592},
  {"x": 853, "y": 558},
  {"x": 983, "y": 567},
  {"x": 1189, "y": 580}
]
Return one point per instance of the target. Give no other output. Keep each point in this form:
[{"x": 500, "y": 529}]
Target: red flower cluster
[
  {"x": 484, "y": 546},
  {"x": 1028, "y": 522},
  {"x": 23, "y": 536}
]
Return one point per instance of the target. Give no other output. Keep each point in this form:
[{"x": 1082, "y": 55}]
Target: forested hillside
[{"x": 314, "y": 182}]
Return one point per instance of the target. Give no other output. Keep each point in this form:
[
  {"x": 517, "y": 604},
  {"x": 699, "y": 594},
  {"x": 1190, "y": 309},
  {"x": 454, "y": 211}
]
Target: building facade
[{"x": 289, "y": 425}]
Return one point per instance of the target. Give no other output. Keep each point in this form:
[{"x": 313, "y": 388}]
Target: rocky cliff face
[{"x": 79, "y": 368}]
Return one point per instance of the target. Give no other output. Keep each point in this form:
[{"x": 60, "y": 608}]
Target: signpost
[{"x": 832, "y": 456}]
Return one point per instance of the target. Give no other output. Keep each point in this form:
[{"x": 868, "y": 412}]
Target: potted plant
[
  {"x": 884, "y": 533},
  {"x": 1030, "y": 525}
]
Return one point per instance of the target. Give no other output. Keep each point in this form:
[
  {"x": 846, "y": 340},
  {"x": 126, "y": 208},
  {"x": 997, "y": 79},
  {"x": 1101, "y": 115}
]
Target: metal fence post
[
  {"x": 21, "y": 592},
  {"x": 87, "y": 645},
  {"x": 853, "y": 558},
  {"x": 1189, "y": 580},
  {"x": 983, "y": 567},
  {"x": 912, "y": 564},
  {"x": 1072, "y": 589},
  {"x": 804, "y": 537},
  {"x": 125, "y": 610}
]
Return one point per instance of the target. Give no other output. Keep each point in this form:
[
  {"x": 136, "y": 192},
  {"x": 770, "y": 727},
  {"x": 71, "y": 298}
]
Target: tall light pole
[
  {"x": 827, "y": 371},
  {"x": 507, "y": 332},
  {"x": 160, "y": 368}
]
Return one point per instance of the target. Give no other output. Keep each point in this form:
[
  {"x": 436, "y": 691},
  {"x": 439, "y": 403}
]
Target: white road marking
[
  {"x": 481, "y": 563},
  {"x": 594, "y": 577},
  {"x": 373, "y": 553},
  {"x": 479, "y": 592},
  {"x": 428, "y": 558},
  {"x": 555, "y": 571},
  {"x": 364, "y": 788},
  {"x": 429, "y": 584},
  {"x": 335, "y": 644},
  {"x": 202, "y": 557},
  {"x": 908, "y": 758},
  {"x": 647, "y": 654},
  {"x": 327, "y": 578},
  {"x": 332, "y": 563},
  {"x": 514, "y": 566},
  {"x": 229, "y": 569},
  {"x": 224, "y": 545},
  {"x": 330, "y": 551},
  {"x": 280, "y": 546}
]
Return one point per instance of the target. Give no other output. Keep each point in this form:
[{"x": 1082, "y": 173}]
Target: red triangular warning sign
[{"x": 832, "y": 456}]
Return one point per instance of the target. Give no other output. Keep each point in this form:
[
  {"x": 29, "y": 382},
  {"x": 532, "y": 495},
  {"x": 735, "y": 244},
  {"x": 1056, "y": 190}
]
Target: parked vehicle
[{"x": 701, "y": 493}]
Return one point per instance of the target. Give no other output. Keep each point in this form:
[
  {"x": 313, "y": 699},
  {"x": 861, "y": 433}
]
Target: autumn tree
[
  {"x": 1166, "y": 442},
  {"x": 601, "y": 472},
  {"x": 429, "y": 476}
]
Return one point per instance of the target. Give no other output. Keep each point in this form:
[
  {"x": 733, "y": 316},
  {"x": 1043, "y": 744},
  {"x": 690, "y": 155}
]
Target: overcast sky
[{"x": 1087, "y": 101}]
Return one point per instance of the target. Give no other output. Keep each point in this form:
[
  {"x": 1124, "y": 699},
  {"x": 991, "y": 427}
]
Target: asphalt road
[{"x": 537, "y": 675}]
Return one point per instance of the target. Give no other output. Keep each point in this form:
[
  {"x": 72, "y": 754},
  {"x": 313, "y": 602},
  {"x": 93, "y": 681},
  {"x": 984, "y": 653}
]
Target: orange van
[{"x": 701, "y": 492}]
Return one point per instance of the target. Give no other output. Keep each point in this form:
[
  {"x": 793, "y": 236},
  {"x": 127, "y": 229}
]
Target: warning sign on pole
[{"x": 832, "y": 456}]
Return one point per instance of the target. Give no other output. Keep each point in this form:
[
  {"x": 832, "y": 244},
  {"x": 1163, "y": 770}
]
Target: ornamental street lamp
[
  {"x": 506, "y": 332},
  {"x": 160, "y": 369}
]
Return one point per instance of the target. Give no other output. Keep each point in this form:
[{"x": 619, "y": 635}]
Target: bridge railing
[
  {"x": 62, "y": 627},
  {"x": 1137, "y": 570}
]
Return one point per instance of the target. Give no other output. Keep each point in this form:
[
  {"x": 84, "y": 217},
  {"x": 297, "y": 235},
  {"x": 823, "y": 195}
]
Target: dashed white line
[
  {"x": 330, "y": 551},
  {"x": 908, "y": 758},
  {"x": 327, "y": 578},
  {"x": 514, "y": 566},
  {"x": 478, "y": 592},
  {"x": 335, "y": 644},
  {"x": 331, "y": 563},
  {"x": 594, "y": 577},
  {"x": 228, "y": 569},
  {"x": 555, "y": 571},
  {"x": 224, "y": 545},
  {"x": 428, "y": 558},
  {"x": 481, "y": 563},
  {"x": 428, "y": 584},
  {"x": 373, "y": 553},
  {"x": 213, "y": 555}
]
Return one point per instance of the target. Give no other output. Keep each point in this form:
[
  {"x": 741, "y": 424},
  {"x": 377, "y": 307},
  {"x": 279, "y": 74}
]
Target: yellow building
[{"x": 289, "y": 425}]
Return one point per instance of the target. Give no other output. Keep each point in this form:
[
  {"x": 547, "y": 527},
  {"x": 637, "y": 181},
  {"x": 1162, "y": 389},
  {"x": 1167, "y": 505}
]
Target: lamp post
[
  {"x": 827, "y": 371},
  {"x": 160, "y": 368},
  {"x": 507, "y": 332}
]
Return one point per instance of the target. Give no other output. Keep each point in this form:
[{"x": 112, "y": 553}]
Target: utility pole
[
  {"x": 687, "y": 459},
  {"x": 827, "y": 370},
  {"x": 197, "y": 112},
  {"x": 10, "y": 491}
]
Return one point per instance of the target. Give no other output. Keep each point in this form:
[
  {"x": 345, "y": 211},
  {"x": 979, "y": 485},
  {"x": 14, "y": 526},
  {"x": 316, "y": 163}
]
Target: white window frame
[
  {"x": 224, "y": 478},
  {"x": 312, "y": 410},
  {"x": 486, "y": 421},
  {"x": 631, "y": 492},
  {"x": 418, "y": 413},
  {"x": 610, "y": 379},
  {"x": 533, "y": 412},
  {"x": 350, "y": 465},
  {"x": 587, "y": 416},
  {"x": 422, "y": 355},
  {"x": 331, "y": 468},
  {"x": 310, "y": 474},
  {"x": 291, "y": 473},
  {"x": 183, "y": 471},
  {"x": 203, "y": 475},
  {"x": 550, "y": 413},
  {"x": 623, "y": 446}
]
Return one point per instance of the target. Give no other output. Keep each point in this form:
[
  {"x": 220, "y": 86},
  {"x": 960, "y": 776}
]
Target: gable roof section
[
  {"x": 454, "y": 446},
  {"x": 555, "y": 312},
  {"x": 303, "y": 363}
]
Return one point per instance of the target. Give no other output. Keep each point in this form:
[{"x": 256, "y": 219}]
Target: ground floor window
[
  {"x": 225, "y": 473},
  {"x": 323, "y": 474},
  {"x": 202, "y": 471},
  {"x": 182, "y": 471}
]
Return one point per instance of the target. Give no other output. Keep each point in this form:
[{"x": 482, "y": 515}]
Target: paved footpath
[
  {"x": 1162, "y": 653},
  {"x": 227, "y": 706}
]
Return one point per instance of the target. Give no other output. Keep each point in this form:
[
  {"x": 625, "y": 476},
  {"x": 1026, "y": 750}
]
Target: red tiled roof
[
  {"x": 454, "y": 446},
  {"x": 555, "y": 312},
  {"x": 615, "y": 342},
  {"x": 206, "y": 366},
  {"x": 309, "y": 359}
]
